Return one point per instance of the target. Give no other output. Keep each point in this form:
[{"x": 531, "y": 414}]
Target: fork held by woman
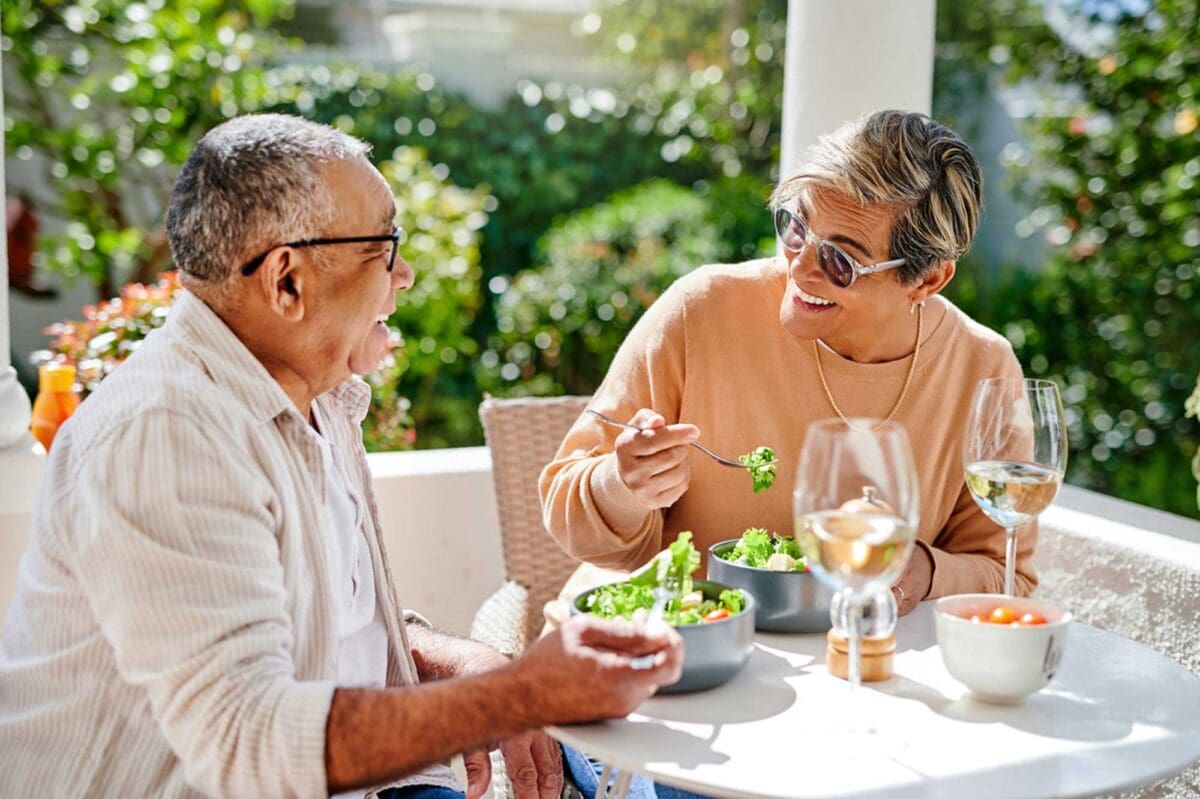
[{"x": 651, "y": 457}]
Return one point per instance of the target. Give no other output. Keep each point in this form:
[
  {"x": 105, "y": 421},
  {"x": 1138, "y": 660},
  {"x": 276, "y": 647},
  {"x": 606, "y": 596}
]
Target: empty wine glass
[
  {"x": 1015, "y": 455},
  {"x": 857, "y": 508}
]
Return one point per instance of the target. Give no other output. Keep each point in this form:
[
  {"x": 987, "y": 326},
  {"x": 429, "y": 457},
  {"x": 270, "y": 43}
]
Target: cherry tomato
[
  {"x": 1031, "y": 620},
  {"x": 716, "y": 615},
  {"x": 1003, "y": 615},
  {"x": 979, "y": 618}
]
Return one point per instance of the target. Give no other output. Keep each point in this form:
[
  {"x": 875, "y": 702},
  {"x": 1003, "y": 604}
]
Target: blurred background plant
[
  {"x": 109, "y": 331},
  {"x": 559, "y": 324},
  {"x": 543, "y": 224},
  {"x": 1112, "y": 170},
  {"x": 1193, "y": 410},
  {"x": 111, "y": 96}
]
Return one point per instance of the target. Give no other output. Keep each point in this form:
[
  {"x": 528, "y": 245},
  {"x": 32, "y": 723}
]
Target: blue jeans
[
  {"x": 578, "y": 768},
  {"x": 585, "y": 773}
]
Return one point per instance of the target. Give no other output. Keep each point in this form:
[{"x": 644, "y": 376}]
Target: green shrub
[
  {"x": 560, "y": 323},
  {"x": 547, "y": 151},
  {"x": 112, "y": 96},
  {"x": 1193, "y": 409},
  {"x": 430, "y": 384},
  {"x": 1113, "y": 168}
]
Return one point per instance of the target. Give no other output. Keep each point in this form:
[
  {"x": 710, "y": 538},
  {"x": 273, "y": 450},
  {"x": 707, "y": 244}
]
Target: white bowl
[{"x": 999, "y": 663}]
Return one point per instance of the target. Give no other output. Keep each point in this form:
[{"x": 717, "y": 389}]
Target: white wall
[{"x": 438, "y": 509}]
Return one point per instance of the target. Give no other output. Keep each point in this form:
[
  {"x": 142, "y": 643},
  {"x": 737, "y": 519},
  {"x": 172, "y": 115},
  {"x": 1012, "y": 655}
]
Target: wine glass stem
[
  {"x": 854, "y": 668},
  {"x": 1010, "y": 560}
]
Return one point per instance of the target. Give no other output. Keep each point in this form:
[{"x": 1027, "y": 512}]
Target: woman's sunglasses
[{"x": 837, "y": 264}]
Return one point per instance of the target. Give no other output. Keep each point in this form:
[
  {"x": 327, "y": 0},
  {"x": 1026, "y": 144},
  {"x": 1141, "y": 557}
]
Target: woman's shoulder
[
  {"x": 976, "y": 340},
  {"x": 748, "y": 282}
]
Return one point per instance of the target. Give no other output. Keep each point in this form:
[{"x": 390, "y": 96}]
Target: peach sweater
[{"x": 711, "y": 351}]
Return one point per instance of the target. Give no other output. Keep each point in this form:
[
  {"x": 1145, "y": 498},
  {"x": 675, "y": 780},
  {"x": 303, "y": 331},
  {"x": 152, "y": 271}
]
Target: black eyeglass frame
[
  {"x": 783, "y": 218},
  {"x": 394, "y": 237}
]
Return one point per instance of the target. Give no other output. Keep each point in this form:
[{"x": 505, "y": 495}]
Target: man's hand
[
  {"x": 585, "y": 670},
  {"x": 533, "y": 761},
  {"x": 653, "y": 463}
]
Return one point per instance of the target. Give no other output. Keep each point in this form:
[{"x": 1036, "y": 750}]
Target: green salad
[
  {"x": 761, "y": 464},
  {"x": 759, "y": 549},
  {"x": 672, "y": 568}
]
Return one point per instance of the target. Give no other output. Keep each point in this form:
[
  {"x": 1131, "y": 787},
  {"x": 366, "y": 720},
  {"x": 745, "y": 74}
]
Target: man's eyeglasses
[
  {"x": 838, "y": 265},
  {"x": 394, "y": 237}
]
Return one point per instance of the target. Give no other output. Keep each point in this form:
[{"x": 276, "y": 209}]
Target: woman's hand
[
  {"x": 653, "y": 462},
  {"x": 915, "y": 581}
]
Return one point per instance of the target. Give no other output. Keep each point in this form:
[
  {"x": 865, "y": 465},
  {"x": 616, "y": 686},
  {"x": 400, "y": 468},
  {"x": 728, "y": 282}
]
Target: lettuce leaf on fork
[{"x": 761, "y": 464}]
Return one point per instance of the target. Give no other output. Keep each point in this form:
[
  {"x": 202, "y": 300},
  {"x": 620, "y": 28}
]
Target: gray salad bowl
[
  {"x": 786, "y": 602},
  {"x": 712, "y": 653}
]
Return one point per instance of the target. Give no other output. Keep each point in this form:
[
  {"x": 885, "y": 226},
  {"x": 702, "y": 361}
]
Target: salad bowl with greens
[
  {"x": 788, "y": 598},
  {"x": 715, "y": 620}
]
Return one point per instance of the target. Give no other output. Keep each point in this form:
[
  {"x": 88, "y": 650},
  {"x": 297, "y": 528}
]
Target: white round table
[{"x": 1116, "y": 715}]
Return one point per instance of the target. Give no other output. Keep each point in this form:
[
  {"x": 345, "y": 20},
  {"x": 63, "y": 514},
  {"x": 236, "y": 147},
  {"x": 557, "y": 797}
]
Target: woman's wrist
[{"x": 916, "y": 582}]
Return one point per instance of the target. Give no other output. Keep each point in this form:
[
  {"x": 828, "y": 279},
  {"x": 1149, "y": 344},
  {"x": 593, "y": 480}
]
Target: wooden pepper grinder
[
  {"x": 878, "y": 618},
  {"x": 877, "y": 656}
]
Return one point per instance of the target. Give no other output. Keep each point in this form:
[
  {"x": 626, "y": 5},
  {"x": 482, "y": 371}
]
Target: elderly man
[{"x": 206, "y": 606}]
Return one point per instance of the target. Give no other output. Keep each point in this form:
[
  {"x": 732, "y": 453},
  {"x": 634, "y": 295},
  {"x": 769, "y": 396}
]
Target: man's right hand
[
  {"x": 653, "y": 462},
  {"x": 585, "y": 670}
]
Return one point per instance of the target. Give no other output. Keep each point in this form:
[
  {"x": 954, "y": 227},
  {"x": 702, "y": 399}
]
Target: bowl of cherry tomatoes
[{"x": 1001, "y": 648}]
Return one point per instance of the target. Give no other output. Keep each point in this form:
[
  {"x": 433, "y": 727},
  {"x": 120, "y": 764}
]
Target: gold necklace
[{"x": 912, "y": 367}]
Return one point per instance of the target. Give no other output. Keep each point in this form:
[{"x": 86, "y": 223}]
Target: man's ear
[
  {"x": 935, "y": 281},
  {"x": 281, "y": 279}
]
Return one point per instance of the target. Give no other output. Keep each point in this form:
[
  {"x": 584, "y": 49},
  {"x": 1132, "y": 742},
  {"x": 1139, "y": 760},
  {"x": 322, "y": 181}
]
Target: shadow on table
[
  {"x": 1049, "y": 713},
  {"x": 759, "y": 691},
  {"x": 688, "y": 750}
]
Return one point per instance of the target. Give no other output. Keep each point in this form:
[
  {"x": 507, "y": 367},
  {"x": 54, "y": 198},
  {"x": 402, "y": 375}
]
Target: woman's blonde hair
[{"x": 905, "y": 159}]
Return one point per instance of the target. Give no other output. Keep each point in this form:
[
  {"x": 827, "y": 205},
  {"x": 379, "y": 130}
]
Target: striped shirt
[{"x": 174, "y": 630}]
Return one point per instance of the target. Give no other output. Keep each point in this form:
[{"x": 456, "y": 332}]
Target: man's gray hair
[
  {"x": 250, "y": 184},
  {"x": 911, "y": 161}
]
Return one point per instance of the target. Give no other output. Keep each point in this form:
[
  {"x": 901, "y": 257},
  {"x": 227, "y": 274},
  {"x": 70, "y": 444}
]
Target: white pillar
[
  {"x": 20, "y": 463},
  {"x": 847, "y": 58}
]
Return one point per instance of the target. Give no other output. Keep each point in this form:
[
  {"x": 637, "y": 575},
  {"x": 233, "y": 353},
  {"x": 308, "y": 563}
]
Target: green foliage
[
  {"x": 1193, "y": 409},
  {"x": 1114, "y": 168},
  {"x": 111, "y": 96},
  {"x": 708, "y": 77},
  {"x": 559, "y": 324},
  {"x": 546, "y": 152},
  {"x": 431, "y": 385}
]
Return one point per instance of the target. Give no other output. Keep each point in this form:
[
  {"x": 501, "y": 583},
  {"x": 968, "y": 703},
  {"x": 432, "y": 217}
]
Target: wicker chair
[
  {"x": 523, "y": 435},
  {"x": 1136, "y": 583}
]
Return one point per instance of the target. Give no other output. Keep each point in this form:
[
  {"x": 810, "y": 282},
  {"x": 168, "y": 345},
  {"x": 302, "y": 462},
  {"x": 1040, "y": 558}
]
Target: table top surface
[{"x": 1117, "y": 714}]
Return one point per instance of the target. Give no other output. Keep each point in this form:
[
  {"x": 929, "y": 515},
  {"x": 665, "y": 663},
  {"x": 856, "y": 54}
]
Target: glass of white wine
[
  {"x": 857, "y": 508},
  {"x": 1015, "y": 455}
]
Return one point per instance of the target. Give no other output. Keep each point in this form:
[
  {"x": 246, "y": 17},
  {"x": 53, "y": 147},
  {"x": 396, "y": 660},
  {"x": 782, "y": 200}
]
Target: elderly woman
[{"x": 848, "y": 322}]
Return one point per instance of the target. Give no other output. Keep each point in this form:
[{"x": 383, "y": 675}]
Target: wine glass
[
  {"x": 1014, "y": 454},
  {"x": 857, "y": 508}
]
